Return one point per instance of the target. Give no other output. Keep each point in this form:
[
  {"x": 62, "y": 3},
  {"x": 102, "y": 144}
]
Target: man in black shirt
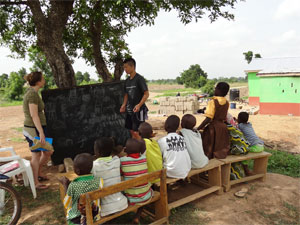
[{"x": 136, "y": 94}]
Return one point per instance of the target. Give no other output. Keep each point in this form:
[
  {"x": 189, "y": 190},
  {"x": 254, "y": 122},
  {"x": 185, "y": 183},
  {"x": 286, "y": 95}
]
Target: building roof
[{"x": 288, "y": 66}]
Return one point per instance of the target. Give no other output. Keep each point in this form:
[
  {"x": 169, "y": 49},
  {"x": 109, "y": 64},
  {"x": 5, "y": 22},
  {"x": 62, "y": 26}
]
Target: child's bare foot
[
  {"x": 136, "y": 221},
  {"x": 247, "y": 171}
]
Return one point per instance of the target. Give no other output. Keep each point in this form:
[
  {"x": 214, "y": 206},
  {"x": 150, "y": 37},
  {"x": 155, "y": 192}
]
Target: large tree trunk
[
  {"x": 50, "y": 39},
  {"x": 95, "y": 34},
  {"x": 119, "y": 69}
]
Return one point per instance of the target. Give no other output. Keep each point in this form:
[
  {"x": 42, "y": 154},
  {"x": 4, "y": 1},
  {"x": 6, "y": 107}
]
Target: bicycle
[{"x": 10, "y": 203}]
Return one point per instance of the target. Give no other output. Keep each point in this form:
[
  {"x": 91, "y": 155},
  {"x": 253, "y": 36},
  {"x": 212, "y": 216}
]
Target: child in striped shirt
[
  {"x": 134, "y": 165},
  {"x": 256, "y": 144},
  {"x": 108, "y": 168}
]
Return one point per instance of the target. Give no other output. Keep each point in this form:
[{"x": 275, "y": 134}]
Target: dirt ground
[
  {"x": 278, "y": 132},
  {"x": 274, "y": 202}
]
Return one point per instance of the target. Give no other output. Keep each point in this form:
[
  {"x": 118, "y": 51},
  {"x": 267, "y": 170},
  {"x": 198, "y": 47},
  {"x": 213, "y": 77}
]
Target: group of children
[{"x": 178, "y": 152}]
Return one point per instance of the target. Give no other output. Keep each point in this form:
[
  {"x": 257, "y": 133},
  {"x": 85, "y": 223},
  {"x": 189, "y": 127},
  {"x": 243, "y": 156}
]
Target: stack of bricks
[{"x": 178, "y": 105}]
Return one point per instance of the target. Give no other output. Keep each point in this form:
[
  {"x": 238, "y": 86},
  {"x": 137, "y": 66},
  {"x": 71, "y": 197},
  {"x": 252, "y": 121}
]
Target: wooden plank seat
[
  {"x": 259, "y": 168},
  {"x": 159, "y": 198},
  {"x": 197, "y": 187}
]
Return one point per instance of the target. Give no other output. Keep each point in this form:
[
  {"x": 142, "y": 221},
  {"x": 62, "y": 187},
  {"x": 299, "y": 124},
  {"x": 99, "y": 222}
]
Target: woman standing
[{"x": 35, "y": 125}]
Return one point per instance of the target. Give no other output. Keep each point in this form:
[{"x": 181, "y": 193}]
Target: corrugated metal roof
[{"x": 275, "y": 65}]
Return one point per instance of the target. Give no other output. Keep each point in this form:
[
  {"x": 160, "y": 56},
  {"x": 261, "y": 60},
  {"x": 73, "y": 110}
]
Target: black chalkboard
[{"x": 79, "y": 115}]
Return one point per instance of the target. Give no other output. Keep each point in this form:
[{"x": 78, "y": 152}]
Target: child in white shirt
[
  {"x": 176, "y": 158},
  {"x": 193, "y": 141},
  {"x": 108, "y": 168}
]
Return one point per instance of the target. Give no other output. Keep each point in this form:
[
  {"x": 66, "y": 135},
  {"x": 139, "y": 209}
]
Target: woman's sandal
[
  {"x": 40, "y": 178},
  {"x": 241, "y": 193},
  {"x": 41, "y": 187}
]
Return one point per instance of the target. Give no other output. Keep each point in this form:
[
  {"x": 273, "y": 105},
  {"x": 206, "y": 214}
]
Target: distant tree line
[{"x": 12, "y": 85}]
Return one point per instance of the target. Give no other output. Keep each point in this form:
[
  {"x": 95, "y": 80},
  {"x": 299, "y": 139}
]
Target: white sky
[{"x": 268, "y": 27}]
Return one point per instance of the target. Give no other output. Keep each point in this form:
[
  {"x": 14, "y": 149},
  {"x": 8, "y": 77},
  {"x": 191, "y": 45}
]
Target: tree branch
[
  {"x": 38, "y": 15},
  {"x": 95, "y": 34}
]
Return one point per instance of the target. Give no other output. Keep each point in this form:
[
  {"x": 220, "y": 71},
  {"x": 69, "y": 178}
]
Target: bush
[
  {"x": 194, "y": 77},
  {"x": 209, "y": 88},
  {"x": 14, "y": 90}
]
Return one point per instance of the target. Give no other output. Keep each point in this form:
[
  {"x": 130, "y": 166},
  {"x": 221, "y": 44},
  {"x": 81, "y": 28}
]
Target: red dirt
[{"x": 273, "y": 202}]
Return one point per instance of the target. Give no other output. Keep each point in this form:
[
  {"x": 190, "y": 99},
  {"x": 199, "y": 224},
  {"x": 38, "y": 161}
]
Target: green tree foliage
[
  {"x": 86, "y": 77},
  {"x": 37, "y": 57},
  {"x": 209, "y": 87},
  {"x": 249, "y": 55},
  {"x": 96, "y": 28},
  {"x": 257, "y": 56},
  {"x": 82, "y": 78},
  {"x": 194, "y": 77},
  {"x": 79, "y": 77},
  {"x": 14, "y": 90},
  {"x": 3, "y": 80},
  {"x": 179, "y": 80}
]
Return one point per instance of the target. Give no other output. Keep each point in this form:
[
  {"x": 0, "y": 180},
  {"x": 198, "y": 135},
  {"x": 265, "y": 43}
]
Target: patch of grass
[
  {"x": 46, "y": 197},
  {"x": 176, "y": 90},
  {"x": 293, "y": 211},
  {"x": 283, "y": 163},
  {"x": 278, "y": 218},
  {"x": 182, "y": 93},
  {"x": 19, "y": 129},
  {"x": 10, "y": 103},
  {"x": 15, "y": 139},
  {"x": 188, "y": 214},
  {"x": 238, "y": 84},
  {"x": 152, "y": 112}
]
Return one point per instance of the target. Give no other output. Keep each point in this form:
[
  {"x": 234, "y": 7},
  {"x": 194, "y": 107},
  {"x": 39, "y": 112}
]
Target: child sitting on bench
[
  {"x": 175, "y": 155},
  {"x": 85, "y": 182},
  {"x": 215, "y": 135},
  {"x": 256, "y": 144},
  {"x": 153, "y": 153},
  {"x": 193, "y": 141},
  {"x": 134, "y": 165},
  {"x": 108, "y": 168}
]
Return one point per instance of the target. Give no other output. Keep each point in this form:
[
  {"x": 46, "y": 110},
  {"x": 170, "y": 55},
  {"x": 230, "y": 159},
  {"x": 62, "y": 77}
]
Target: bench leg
[
  {"x": 214, "y": 178},
  {"x": 161, "y": 206},
  {"x": 225, "y": 170},
  {"x": 260, "y": 167}
]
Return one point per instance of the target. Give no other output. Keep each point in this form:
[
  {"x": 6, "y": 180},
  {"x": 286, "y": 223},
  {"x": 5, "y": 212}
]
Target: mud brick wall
[{"x": 178, "y": 105}]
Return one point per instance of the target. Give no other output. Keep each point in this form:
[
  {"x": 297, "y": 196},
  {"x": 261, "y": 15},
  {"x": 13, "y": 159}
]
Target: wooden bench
[
  {"x": 159, "y": 198},
  {"x": 198, "y": 187},
  {"x": 259, "y": 169}
]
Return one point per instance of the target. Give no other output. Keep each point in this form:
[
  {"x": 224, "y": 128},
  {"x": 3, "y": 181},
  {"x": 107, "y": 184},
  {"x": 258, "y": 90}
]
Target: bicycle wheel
[{"x": 10, "y": 204}]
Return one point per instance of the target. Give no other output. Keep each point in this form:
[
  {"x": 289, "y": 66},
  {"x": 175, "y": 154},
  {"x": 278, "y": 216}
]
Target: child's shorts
[
  {"x": 256, "y": 148},
  {"x": 30, "y": 133}
]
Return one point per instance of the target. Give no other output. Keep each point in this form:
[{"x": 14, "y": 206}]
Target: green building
[{"x": 274, "y": 85}]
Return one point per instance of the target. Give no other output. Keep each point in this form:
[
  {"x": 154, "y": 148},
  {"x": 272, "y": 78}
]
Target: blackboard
[{"x": 76, "y": 117}]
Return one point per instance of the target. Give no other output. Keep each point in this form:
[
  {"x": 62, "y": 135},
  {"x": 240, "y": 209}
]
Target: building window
[{"x": 292, "y": 85}]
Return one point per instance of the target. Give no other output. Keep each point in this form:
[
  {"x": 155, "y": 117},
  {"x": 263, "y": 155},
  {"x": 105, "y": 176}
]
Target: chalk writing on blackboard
[{"x": 79, "y": 115}]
